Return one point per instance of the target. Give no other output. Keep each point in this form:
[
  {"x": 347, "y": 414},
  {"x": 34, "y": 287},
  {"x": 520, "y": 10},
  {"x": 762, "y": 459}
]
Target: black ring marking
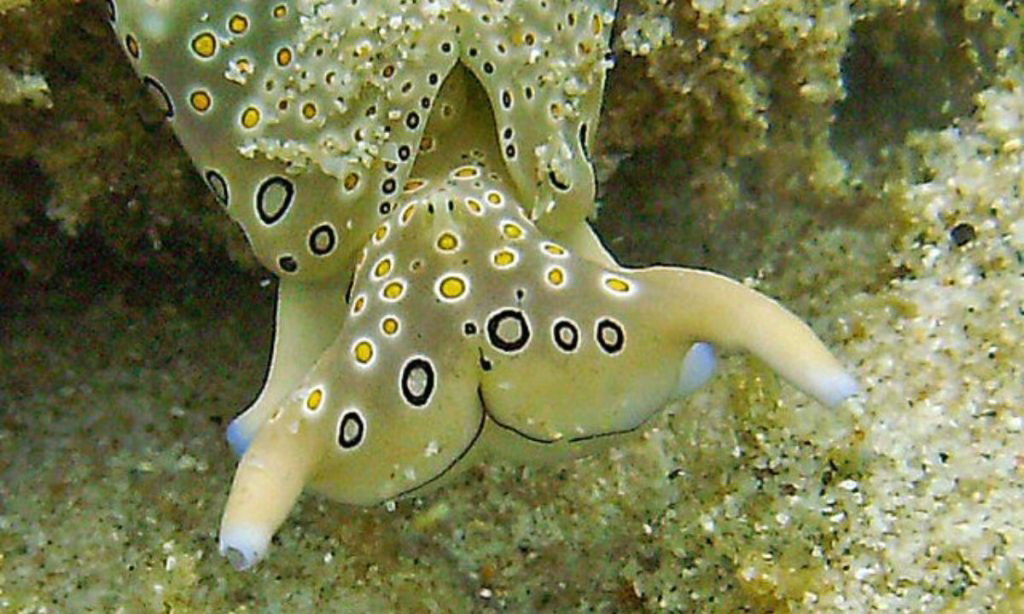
[
  {"x": 422, "y": 367},
  {"x": 288, "y": 264},
  {"x": 566, "y": 335},
  {"x": 219, "y": 186},
  {"x": 513, "y": 344},
  {"x": 553, "y": 178},
  {"x": 354, "y": 418},
  {"x": 271, "y": 208},
  {"x": 322, "y": 240},
  {"x": 609, "y": 335},
  {"x": 455, "y": 461},
  {"x": 156, "y": 89}
]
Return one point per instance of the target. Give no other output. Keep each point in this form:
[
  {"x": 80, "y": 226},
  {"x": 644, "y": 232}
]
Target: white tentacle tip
[
  {"x": 834, "y": 388},
  {"x": 243, "y": 546}
]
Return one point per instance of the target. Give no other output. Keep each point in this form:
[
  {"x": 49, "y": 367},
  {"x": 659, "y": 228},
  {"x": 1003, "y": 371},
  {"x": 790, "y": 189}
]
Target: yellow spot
[
  {"x": 309, "y": 110},
  {"x": 494, "y": 198},
  {"x": 452, "y": 287},
  {"x": 389, "y": 325},
  {"x": 447, "y": 242},
  {"x": 381, "y": 233},
  {"x": 314, "y": 399},
  {"x": 383, "y": 268},
  {"x": 554, "y": 250},
  {"x": 351, "y": 181},
  {"x": 238, "y": 24},
  {"x": 204, "y": 45},
  {"x": 284, "y": 56},
  {"x": 466, "y": 172},
  {"x": 363, "y": 351},
  {"x": 617, "y": 285},
  {"x": 556, "y": 276},
  {"x": 393, "y": 291},
  {"x": 414, "y": 184},
  {"x": 474, "y": 205},
  {"x": 407, "y": 213},
  {"x": 280, "y": 11},
  {"x": 504, "y": 258},
  {"x": 201, "y": 101},
  {"x": 512, "y": 230},
  {"x": 358, "y": 305},
  {"x": 250, "y": 117},
  {"x": 597, "y": 25},
  {"x": 132, "y": 46}
]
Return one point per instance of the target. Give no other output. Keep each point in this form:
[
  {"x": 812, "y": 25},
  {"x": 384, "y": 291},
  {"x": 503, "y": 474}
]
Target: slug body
[{"x": 417, "y": 175}]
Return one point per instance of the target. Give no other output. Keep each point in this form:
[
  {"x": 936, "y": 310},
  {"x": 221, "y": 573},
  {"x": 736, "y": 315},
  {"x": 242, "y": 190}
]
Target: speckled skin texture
[{"x": 749, "y": 498}]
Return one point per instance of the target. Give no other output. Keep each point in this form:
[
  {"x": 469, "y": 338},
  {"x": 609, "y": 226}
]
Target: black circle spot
[
  {"x": 508, "y": 330},
  {"x": 161, "y": 95},
  {"x": 446, "y": 47},
  {"x": 384, "y": 208},
  {"x": 388, "y": 186},
  {"x": 566, "y": 335},
  {"x": 962, "y": 234},
  {"x": 488, "y": 68},
  {"x": 322, "y": 240},
  {"x": 404, "y": 152},
  {"x": 506, "y": 99},
  {"x": 351, "y": 430},
  {"x": 610, "y": 335},
  {"x": 288, "y": 264},
  {"x": 417, "y": 381},
  {"x": 469, "y": 328},
  {"x": 412, "y": 120},
  {"x": 433, "y": 78},
  {"x": 273, "y": 198},
  {"x": 219, "y": 186},
  {"x": 510, "y": 151}
]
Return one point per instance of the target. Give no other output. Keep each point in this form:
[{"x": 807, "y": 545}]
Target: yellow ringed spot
[
  {"x": 284, "y": 56},
  {"x": 363, "y": 352},
  {"x": 556, "y": 276},
  {"x": 451, "y": 287},
  {"x": 474, "y": 205},
  {"x": 238, "y": 24},
  {"x": 250, "y": 117},
  {"x": 200, "y": 101},
  {"x": 314, "y": 399},
  {"x": 381, "y": 233},
  {"x": 554, "y": 250},
  {"x": 407, "y": 213},
  {"x": 413, "y": 184},
  {"x": 616, "y": 284},
  {"x": 447, "y": 242},
  {"x": 495, "y": 198},
  {"x": 309, "y": 110},
  {"x": 132, "y": 45},
  {"x": 504, "y": 258},
  {"x": 358, "y": 305},
  {"x": 383, "y": 268},
  {"x": 204, "y": 45},
  {"x": 512, "y": 230},
  {"x": 280, "y": 11},
  {"x": 351, "y": 181},
  {"x": 466, "y": 172},
  {"x": 389, "y": 326},
  {"x": 393, "y": 291}
]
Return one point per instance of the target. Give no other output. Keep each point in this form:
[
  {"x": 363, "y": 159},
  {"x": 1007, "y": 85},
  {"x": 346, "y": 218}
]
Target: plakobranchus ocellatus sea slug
[{"x": 417, "y": 175}]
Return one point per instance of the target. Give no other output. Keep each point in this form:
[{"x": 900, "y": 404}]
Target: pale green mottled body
[{"x": 417, "y": 174}]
